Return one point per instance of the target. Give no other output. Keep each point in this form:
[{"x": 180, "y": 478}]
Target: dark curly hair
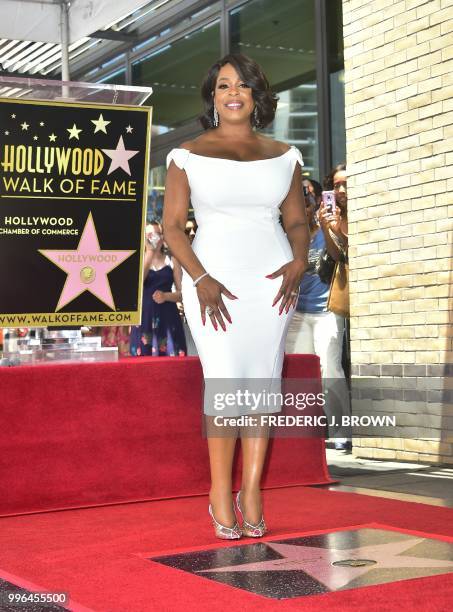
[
  {"x": 328, "y": 180},
  {"x": 252, "y": 74}
]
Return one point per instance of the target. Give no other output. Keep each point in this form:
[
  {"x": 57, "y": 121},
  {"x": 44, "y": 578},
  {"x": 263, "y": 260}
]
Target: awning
[{"x": 39, "y": 20}]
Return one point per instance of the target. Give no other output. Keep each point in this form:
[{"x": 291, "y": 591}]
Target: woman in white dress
[{"x": 242, "y": 273}]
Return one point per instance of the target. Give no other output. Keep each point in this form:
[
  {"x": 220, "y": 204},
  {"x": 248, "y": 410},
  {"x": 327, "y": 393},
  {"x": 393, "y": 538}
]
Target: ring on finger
[
  {"x": 209, "y": 310},
  {"x": 294, "y": 293}
]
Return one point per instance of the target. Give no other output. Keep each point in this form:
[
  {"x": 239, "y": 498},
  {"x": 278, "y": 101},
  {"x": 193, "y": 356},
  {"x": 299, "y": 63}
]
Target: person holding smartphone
[{"x": 314, "y": 329}]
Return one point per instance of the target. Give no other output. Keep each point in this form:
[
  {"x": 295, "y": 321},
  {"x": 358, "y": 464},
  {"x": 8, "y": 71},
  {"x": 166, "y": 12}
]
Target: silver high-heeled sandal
[
  {"x": 252, "y": 531},
  {"x": 225, "y": 533}
]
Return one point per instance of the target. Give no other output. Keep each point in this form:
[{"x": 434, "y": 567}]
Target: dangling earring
[
  {"x": 255, "y": 116},
  {"x": 216, "y": 117}
]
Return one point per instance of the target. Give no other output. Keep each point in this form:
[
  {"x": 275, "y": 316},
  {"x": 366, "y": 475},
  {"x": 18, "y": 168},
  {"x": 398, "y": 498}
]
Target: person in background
[
  {"x": 117, "y": 335},
  {"x": 190, "y": 231},
  {"x": 161, "y": 332},
  {"x": 314, "y": 329},
  {"x": 337, "y": 181}
]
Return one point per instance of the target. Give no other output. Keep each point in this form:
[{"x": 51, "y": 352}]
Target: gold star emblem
[
  {"x": 129, "y": 129},
  {"x": 74, "y": 132},
  {"x": 100, "y": 124},
  {"x": 52, "y": 137},
  {"x": 24, "y": 125}
]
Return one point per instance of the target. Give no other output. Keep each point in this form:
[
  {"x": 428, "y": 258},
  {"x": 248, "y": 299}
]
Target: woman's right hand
[
  {"x": 328, "y": 219},
  {"x": 209, "y": 292}
]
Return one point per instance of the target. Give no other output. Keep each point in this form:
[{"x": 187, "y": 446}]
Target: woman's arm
[
  {"x": 175, "y": 296},
  {"x": 294, "y": 218},
  {"x": 327, "y": 220},
  {"x": 295, "y": 224},
  {"x": 176, "y": 206}
]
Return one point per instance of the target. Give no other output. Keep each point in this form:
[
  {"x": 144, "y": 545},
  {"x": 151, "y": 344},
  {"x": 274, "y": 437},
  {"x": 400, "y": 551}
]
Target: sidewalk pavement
[{"x": 405, "y": 481}]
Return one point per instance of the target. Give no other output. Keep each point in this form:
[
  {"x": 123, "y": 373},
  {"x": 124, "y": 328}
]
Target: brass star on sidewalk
[{"x": 318, "y": 562}]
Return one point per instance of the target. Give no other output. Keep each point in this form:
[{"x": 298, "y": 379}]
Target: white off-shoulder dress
[{"x": 239, "y": 241}]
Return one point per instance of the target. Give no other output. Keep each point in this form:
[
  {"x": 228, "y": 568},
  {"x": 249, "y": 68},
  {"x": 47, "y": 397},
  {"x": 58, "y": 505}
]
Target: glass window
[
  {"x": 175, "y": 73},
  {"x": 336, "y": 80},
  {"x": 156, "y": 189},
  {"x": 280, "y": 36}
]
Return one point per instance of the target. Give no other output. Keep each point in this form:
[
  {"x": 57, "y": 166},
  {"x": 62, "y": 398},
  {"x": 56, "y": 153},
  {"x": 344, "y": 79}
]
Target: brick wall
[{"x": 399, "y": 116}]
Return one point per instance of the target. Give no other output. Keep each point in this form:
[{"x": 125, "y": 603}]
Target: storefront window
[
  {"x": 280, "y": 36},
  {"x": 175, "y": 73},
  {"x": 336, "y": 80}
]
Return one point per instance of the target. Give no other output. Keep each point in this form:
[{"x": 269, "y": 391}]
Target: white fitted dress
[{"x": 239, "y": 241}]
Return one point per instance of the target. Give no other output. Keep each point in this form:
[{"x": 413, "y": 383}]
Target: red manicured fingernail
[{"x": 268, "y": 275}]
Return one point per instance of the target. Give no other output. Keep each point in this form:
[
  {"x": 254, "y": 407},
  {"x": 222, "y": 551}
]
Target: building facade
[{"x": 399, "y": 135}]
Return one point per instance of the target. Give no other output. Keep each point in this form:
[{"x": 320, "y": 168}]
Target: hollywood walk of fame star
[
  {"x": 87, "y": 267},
  {"x": 24, "y": 125},
  {"x": 74, "y": 132},
  {"x": 129, "y": 129},
  {"x": 52, "y": 137},
  {"x": 120, "y": 157},
  {"x": 317, "y": 562},
  {"x": 100, "y": 124}
]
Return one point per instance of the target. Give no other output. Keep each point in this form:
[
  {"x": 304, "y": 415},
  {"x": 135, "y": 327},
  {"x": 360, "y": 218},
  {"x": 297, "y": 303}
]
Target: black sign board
[{"x": 73, "y": 193}]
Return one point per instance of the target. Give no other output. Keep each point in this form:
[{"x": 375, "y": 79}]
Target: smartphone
[
  {"x": 153, "y": 239},
  {"x": 328, "y": 198}
]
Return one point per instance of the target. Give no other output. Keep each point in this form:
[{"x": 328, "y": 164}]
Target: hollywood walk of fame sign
[{"x": 73, "y": 195}]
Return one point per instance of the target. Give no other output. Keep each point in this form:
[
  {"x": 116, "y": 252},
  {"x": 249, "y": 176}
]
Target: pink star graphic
[
  {"x": 120, "y": 157},
  {"x": 87, "y": 267},
  {"x": 317, "y": 562}
]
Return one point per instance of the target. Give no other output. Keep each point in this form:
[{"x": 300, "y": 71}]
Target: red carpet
[
  {"x": 90, "y": 434},
  {"x": 97, "y": 554}
]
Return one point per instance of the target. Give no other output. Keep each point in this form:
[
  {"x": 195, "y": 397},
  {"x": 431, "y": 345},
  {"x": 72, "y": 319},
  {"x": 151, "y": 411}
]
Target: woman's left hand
[
  {"x": 288, "y": 293},
  {"x": 159, "y": 297}
]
